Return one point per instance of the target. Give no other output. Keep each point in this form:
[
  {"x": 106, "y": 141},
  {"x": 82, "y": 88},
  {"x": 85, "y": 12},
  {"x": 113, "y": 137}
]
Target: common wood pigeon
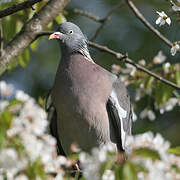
[{"x": 87, "y": 105}]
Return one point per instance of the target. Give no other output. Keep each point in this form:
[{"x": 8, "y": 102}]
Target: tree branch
[
  {"x": 29, "y": 32},
  {"x": 1, "y": 38},
  {"x": 120, "y": 56},
  {"x": 147, "y": 24},
  {"x": 18, "y": 7}
]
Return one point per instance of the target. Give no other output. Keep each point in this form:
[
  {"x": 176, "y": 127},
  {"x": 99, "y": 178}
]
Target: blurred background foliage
[{"x": 35, "y": 69}]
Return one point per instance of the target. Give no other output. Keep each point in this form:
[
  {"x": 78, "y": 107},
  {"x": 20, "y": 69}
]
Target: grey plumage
[{"x": 90, "y": 105}]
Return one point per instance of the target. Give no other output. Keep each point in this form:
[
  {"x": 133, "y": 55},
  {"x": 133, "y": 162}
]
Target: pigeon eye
[{"x": 71, "y": 32}]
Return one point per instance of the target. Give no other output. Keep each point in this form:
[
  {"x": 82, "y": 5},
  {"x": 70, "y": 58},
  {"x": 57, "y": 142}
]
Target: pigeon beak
[{"x": 55, "y": 35}]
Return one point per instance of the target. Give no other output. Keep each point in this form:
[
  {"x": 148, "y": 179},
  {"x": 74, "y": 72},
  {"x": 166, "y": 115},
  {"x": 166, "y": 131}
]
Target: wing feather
[
  {"x": 120, "y": 113},
  {"x": 52, "y": 117}
]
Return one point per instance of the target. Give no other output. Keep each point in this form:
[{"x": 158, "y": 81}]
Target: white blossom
[
  {"x": 115, "y": 68},
  {"x": 169, "y": 105},
  {"x": 134, "y": 116},
  {"x": 20, "y": 95},
  {"x": 148, "y": 113},
  {"x": 151, "y": 115},
  {"x": 175, "y": 47},
  {"x": 32, "y": 144},
  {"x": 159, "y": 58},
  {"x": 29, "y": 126},
  {"x": 82, "y": 157},
  {"x": 62, "y": 160},
  {"x": 21, "y": 177},
  {"x": 108, "y": 175},
  {"x": 174, "y": 6},
  {"x": 3, "y": 104},
  {"x": 166, "y": 67},
  {"x": 159, "y": 169},
  {"x": 5, "y": 89},
  {"x": 10, "y": 162},
  {"x": 59, "y": 176},
  {"x": 16, "y": 127},
  {"x": 8, "y": 158},
  {"x": 130, "y": 69},
  {"x": 163, "y": 18},
  {"x": 92, "y": 164},
  {"x": 142, "y": 62},
  {"x": 141, "y": 91}
]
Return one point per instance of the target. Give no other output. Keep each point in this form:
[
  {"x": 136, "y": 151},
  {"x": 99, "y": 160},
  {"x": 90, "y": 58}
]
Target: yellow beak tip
[{"x": 51, "y": 37}]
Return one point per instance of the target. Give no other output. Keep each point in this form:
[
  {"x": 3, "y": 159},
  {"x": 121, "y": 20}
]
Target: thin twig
[
  {"x": 18, "y": 7},
  {"x": 104, "y": 20},
  {"x": 125, "y": 58},
  {"x": 120, "y": 56},
  {"x": 89, "y": 15},
  {"x": 98, "y": 19},
  {"x": 147, "y": 24}
]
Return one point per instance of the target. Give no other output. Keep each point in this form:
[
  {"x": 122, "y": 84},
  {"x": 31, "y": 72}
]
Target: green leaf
[
  {"x": 74, "y": 156},
  {"x": 24, "y": 58},
  {"x": 19, "y": 25},
  {"x": 9, "y": 27},
  {"x": 163, "y": 93},
  {"x": 149, "y": 82},
  {"x": 129, "y": 171},
  {"x": 82, "y": 178},
  {"x": 16, "y": 143},
  {"x": 118, "y": 172},
  {"x": 60, "y": 19},
  {"x": 14, "y": 102},
  {"x": 107, "y": 165},
  {"x": 13, "y": 65},
  {"x": 140, "y": 168},
  {"x": 175, "y": 150},
  {"x": 34, "y": 45},
  {"x": 49, "y": 26},
  {"x": 36, "y": 169},
  {"x": 176, "y": 168},
  {"x": 177, "y": 77},
  {"x": 5, "y": 123},
  {"x": 168, "y": 91},
  {"x": 42, "y": 102},
  {"x": 147, "y": 153}
]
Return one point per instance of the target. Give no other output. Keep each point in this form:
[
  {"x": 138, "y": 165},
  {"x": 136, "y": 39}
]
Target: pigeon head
[{"x": 71, "y": 39}]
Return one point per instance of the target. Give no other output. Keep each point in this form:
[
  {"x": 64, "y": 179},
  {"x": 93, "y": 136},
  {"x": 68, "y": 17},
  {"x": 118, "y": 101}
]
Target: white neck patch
[{"x": 85, "y": 52}]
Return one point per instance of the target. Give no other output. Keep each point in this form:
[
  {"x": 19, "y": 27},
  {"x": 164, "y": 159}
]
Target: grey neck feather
[
  {"x": 80, "y": 47},
  {"x": 85, "y": 52}
]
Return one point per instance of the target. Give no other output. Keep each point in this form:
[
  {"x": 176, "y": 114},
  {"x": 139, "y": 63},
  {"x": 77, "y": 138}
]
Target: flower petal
[
  {"x": 158, "y": 20},
  {"x": 162, "y": 22},
  {"x": 158, "y": 13},
  {"x": 163, "y": 14},
  {"x": 175, "y": 7},
  {"x": 173, "y": 51},
  {"x": 168, "y": 20}
]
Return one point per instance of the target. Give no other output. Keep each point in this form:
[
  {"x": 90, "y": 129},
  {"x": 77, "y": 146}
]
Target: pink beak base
[{"x": 55, "y": 35}]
